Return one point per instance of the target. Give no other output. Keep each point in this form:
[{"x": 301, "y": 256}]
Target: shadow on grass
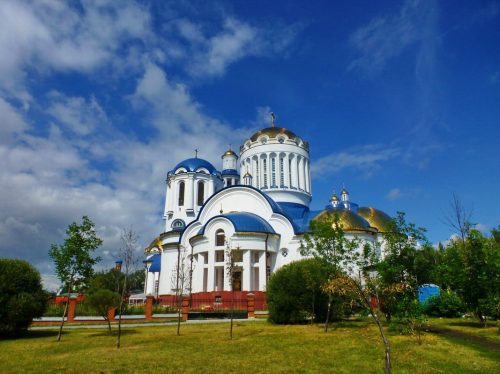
[
  {"x": 470, "y": 324},
  {"x": 114, "y": 333},
  {"x": 36, "y": 334}
]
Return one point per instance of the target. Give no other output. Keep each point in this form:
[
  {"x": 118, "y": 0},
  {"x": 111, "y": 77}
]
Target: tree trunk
[
  {"x": 62, "y": 319},
  {"x": 179, "y": 306},
  {"x": 109, "y": 325},
  {"x": 232, "y": 312},
  {"x": 384, "y": 339},
  {"x": 328, "y": 313}
]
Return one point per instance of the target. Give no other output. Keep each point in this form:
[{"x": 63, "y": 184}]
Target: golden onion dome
[
  {"x": 334, "y": 198},
  {"x": 229, "y": 152},
  {"x": 272, "y": 133},
  {"x": 247, "y": 175},
  {"x": 349, "y": 221},
  {"x": 376, "y": 218}
]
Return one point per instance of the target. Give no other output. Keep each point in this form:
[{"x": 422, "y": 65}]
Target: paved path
[{"x": 143, "y": 324}]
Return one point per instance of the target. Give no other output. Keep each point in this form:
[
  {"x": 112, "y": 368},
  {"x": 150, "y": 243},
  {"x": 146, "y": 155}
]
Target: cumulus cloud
[
  {"x": 210, "y": 54},
  {"x": 367, "y": 159},
  {"x": 51, "y": 35}
]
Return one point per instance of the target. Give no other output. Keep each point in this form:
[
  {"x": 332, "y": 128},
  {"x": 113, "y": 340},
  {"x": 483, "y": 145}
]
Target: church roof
[
  {"x": 156, "y": 265},
  {"x": 244, "y": 222},
  {"x": 376, "y": 218},
  {"x": 349, "y": 220},
  {"x": 194, "y": 164},
  {"x": 230, "y": 172},
  {"x": 273, "y": 132}
]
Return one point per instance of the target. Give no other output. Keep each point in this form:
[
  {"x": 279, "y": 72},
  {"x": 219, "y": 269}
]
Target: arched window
[
  {"x": 201, "y": 193},
  {"x": 181, "y": 194},
  {"x": 178, "y": 224},
  {"x": 220, "y": 238}
]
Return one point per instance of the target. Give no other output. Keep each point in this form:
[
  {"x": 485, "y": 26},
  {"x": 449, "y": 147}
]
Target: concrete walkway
[{"x": 143, "y": 324}]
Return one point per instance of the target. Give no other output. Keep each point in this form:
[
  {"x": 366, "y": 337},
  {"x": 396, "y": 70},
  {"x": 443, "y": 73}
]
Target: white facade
[{"x": 262, "y": 220}]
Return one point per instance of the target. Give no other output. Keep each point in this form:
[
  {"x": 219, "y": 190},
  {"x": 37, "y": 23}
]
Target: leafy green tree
[
  {"x": 73, "y": 259},
  {"x": 294, "y": 292},
  {"x": 480, "y": 272},
  {"x": 326, "y": 242},
  {"x": 398, "y": 271},
  {"x": 102, "y": 300},
  {"x": 22, "y": 297}
]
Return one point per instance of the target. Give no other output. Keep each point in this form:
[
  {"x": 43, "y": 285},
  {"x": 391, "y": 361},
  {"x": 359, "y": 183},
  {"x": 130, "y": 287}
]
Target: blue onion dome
[
  {"x": 376, "y": 218},
  {"x": 195, "y": 165},
  {"x": 349, "y": 221}
]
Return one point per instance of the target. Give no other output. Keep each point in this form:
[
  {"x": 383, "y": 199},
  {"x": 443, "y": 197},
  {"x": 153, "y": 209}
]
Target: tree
[
  {"x": 295, "y": 294},
  {"x": 459, "y": 217},
  {"x": 480, "y": 267},
  {"x": 73, "y": 259},
  {"x": 326, "y": 242},
  {"x": 398, "y": 272},
  {"x": 181, "y": 280},
  {"x": 21, "y": 296},
  {"x": 102, "y": 300},
  {"x": 128, "y": 254}
]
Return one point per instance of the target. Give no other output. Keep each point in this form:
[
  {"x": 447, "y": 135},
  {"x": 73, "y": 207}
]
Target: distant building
[{"x": 258, "y": 203}]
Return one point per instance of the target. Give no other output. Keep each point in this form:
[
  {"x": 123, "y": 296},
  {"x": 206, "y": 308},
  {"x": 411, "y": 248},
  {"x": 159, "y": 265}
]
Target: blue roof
[
  {"x": 156, "y": 265},
  {"x": 244, "y": 222},
  {"x": 230, "y": 172},
  {"x": 193, "y": 164}
]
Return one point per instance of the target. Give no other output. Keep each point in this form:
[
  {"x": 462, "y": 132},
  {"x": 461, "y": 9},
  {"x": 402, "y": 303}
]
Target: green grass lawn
[
  {"x": 470, "y": 326},
  {"x": 349, "y": 347}
]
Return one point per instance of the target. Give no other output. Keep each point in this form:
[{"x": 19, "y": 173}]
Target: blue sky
[{"x": 400, "y": 101}]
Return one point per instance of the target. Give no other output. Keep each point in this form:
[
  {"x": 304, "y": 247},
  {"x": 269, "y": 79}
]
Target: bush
[
  {"x": 294, "y": 292},
  {"x": 22, "y": 297},
  {"x": 448, "y": 304}
]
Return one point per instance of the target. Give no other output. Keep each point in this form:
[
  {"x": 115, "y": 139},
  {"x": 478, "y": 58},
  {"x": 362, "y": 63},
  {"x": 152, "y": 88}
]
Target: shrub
[
  {"x": 22, "y": 297},
  {"x": 448, "y": 304},
  {"x": 294, "y": 292}
]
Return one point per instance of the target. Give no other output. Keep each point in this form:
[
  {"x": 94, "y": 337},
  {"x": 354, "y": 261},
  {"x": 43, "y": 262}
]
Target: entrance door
[{"x": 237, "y": 280}]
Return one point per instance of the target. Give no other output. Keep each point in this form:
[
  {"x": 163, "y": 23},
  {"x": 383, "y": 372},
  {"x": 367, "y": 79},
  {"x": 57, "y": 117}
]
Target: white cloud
[
  {"x": 384, "y": 38},
  {"x": 367, "y": 159},
  {"x": 11, "y": 122},
  {"x": 80, "y": 115},
  {"x": 52, "y": 35},
  {"x": 394, "y": 194}
]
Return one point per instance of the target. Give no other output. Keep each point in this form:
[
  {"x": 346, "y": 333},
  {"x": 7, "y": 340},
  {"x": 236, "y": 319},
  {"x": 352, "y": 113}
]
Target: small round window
[
  {"x": 284, "y": 252},
  {"x": 281, "y": 139}
]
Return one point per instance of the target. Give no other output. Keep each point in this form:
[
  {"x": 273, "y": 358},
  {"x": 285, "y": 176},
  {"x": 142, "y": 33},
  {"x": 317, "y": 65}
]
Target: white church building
[{"x": 257, "y": 205}]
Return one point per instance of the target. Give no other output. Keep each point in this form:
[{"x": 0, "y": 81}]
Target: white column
[
  {"x": 302, "y": 173},
  {"x": 247, "y": 271},
  {"x": 262, "y": 271},
  {"x": 308, "y": 177},
  {"x": 286, "y": 163},
  {"x": 294, "y": 171},
  {"x": 268, "y": 170},
  {"x": 188, "y": 192},
  {"x": 211, "y": 271}
]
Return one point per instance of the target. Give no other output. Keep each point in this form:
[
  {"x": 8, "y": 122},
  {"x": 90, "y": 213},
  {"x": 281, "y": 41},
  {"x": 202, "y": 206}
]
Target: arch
[
  {"x": 220, "y": 238},
  {"x": 178, "y": 224},
  {"x": 201, "y": 193},
  {"x": 182, "y": 188}
]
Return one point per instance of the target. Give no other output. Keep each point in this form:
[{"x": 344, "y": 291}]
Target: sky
[{"x": 399, "y": 100}]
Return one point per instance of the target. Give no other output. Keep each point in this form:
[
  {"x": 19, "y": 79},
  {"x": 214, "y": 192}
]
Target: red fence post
[
  {"x": 71, "y": 309},
  {"x": 149, "y": 307},
  {"x": 185, "y": 308},
  {"x": 251, "y": 305},
  {"x": 111, "y": 314}
]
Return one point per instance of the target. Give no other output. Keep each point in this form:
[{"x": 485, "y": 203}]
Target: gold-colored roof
[
  {"x": 229, "y": 152},
  {"x": 334, "y": 198},
  {"x": 376, "y": 218},
  {"x": 247, "y": 174},
  {"x": 273, "y": 132},
  {"x": 349, "y": 221}
]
